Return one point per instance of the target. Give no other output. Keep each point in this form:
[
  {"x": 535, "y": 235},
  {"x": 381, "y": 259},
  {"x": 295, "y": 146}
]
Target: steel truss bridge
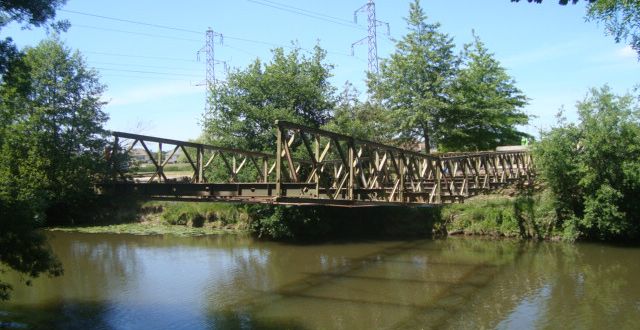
[{"x": 313, "y": 167}]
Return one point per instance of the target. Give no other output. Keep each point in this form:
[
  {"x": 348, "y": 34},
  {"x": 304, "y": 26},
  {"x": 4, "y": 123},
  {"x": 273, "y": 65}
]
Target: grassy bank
[
  {"x": 123, "y": 215},
  {"x": 506, "y": 214}
]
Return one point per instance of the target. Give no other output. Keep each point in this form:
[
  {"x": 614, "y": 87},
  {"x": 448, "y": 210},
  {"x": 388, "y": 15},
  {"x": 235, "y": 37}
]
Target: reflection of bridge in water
[{"x": 313, "y": 166}]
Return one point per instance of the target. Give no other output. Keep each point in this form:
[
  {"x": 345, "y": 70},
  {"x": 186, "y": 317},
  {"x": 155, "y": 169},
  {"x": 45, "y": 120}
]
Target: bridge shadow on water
[{"x": 415, "y": 284}]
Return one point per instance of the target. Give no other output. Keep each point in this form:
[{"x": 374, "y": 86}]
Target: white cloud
[
  {"x": 153, "y": 92},
  {"x": 626, "y": 52}
]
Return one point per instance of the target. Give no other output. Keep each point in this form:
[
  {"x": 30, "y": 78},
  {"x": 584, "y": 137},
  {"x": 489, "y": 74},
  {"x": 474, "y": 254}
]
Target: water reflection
[{"x": 223, "y": 282}]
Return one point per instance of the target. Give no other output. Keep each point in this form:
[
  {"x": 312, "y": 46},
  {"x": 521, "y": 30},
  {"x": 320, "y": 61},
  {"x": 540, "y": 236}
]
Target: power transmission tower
[
  {"x": 372, "y": 36},
  {"x": 210, "y": 77}
]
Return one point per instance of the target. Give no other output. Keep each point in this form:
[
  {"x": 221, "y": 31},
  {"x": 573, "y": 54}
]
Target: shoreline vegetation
[
  {"x": 508, "y": 213},
  {"x": 126, "y": 216}
]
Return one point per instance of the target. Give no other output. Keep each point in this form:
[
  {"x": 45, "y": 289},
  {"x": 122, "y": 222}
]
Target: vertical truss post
[
  {"x": 265, "y": 169},
  {"x": 316, "y": 175},
  {"x": 351, "y": 171},
  {"x": 199, "y": 165},
  {"x": 160, "y": 169},
  {"x": 113, "y": 160},
  {"x": 278, "y": 160},
  {"x": 401, "y": 166},
  {"x": 438, "y": 192}
]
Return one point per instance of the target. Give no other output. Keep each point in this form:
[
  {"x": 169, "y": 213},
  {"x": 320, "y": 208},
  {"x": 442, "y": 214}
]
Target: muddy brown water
[{"x": 118, "y": 281}]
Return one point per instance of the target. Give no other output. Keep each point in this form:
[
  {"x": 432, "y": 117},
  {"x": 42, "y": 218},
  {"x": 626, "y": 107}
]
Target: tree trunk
[{"x": 427, "y": 141}]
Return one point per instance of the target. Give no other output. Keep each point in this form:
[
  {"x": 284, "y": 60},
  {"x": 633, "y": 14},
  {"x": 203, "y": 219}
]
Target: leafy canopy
[
  {"x": 414, "y": 82},
  {"x": 51, "y": 151},
  {"x": 487, "y": 105},
  {"x": 465, "y": 102},
  {"x": 29, "y": 12},
  {"x": 290, "y": 87},
  {"x": 33, "y": 12},
  {"x": 364, "y": 120},
  {"x": 593, "y": 167}
]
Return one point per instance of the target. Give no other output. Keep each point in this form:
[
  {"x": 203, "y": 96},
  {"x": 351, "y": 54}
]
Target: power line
[
  {"x": 132, "y": 32},
  {"x": 239, "y": 50},
  {"x": 185, "y": 30},
  {"x": 143, "y": 77},
  {"x": 141, "y": 56},
  {"x": 310, "y": 12},
  {"x": 143, "y": 66},
  {"x": 175, "y": 38},
  {"x": 306, "y": 13},
  {"x": 129, "y": 21},
  {"x": 283, "y": 46},
  {"x": 150, "y": 72}
]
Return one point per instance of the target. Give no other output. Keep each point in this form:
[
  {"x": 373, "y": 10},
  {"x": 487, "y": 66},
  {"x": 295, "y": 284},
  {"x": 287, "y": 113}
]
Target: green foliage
[
  {"x": 29, "y": 12},
  {"x": 199, "y": 214},
  {"x": 33, "y": 12},
  {"x": 593, "y": 167},
  {"x": 528, "y": 215},
  {"x": 486, "y": 217},
  {"x": 51, "y": 150},
  {"x": 465, "y": 102},
  {"x": 487, "y": 106},
  {"x": 414, "y": 82},
  {"x": 53, "y": 140},
  {"x": 621, "y": 19},
  {"x": 363, "y": 120},
  {"x": 291, "y": 87}
]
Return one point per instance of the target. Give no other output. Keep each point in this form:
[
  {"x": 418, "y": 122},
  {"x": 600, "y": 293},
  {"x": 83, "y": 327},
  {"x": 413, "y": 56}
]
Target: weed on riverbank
[
  {"x": 159, "y": 218},
  {"x": 519, "y": 215}
]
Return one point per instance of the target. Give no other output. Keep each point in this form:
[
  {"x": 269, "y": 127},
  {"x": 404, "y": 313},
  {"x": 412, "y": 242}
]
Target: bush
[
  {"x": 592, "y": 168},
  {"x": 198, "y": 214},
  {"x": 528, "y": 215}
]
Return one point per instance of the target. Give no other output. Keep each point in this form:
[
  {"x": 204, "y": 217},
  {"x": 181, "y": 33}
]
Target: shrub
[{"x": 592, "y": 168}]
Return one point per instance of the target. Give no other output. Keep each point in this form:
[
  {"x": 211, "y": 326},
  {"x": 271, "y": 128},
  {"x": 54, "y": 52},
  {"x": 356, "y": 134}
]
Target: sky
[{"x": 150, "y": 55}]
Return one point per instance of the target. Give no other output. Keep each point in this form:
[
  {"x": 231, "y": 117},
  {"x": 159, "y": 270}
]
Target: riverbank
[
  {"x": 507, "y": 213},
  {"x": 125, "y": 216},
  {"x": 269, "y": 222}
]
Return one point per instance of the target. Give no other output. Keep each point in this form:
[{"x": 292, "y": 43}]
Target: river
[{"x": 119, "y": 281}]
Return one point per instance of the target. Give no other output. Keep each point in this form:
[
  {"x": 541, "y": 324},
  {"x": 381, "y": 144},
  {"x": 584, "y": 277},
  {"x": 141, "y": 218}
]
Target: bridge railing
[
  {"x": 228, "y": 162},
  {"x": 311, "y": 166},
  {"x": 344, "y": 168}
]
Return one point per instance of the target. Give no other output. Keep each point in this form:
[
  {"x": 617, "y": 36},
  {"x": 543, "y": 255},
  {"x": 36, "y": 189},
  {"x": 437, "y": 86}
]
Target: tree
[
  {"x": 30, "y": 12},
  {"x": 593, "y": 167},
  {"x": 291, "y": 87},
  {"x": 621, "y": 18},
  {"x": 414, "y": 83},
  {"x": 487, "y": 106},
  {"x": 51, "y": 151},
  {"x": 363, "y": 120}
]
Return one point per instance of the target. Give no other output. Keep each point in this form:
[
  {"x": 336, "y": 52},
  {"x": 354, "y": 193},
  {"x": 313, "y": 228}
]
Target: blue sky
[{"x": 154, "y": 78}]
